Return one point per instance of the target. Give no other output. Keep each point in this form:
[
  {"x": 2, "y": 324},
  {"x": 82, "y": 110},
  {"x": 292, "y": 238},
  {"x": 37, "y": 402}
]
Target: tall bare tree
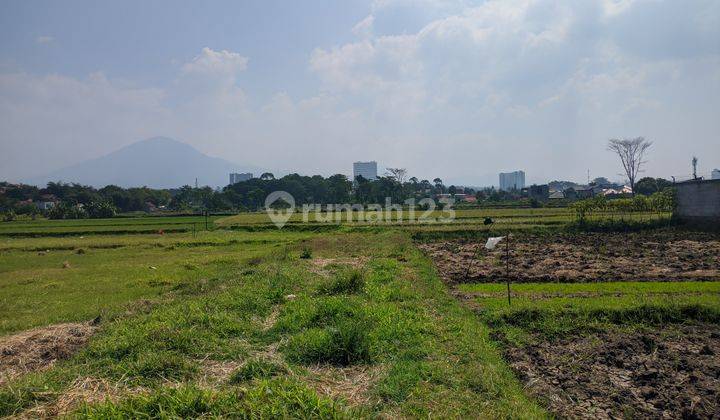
[
  {"x": 631, "y": 153},
  {"x": 398, "y": 174}
]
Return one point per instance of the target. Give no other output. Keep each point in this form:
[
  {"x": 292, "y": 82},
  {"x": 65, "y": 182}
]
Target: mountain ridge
[{"x": 156, "y": 162}]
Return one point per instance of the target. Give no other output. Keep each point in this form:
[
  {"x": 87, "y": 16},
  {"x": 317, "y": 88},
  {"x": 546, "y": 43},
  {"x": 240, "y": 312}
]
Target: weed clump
[
  {"x": 161, "y": 365},
  {"x": 347, "y": 343},
  {"x": 306, "y": 254},
  {"x": 256, "y": 369},
  {"x": 345, "y": 282},
  {"x": 334, "y": 330},
  {"x": 268, "y": 399}
]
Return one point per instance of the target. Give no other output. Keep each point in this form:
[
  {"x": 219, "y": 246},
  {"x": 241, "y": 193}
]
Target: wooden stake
[{"x": 507, "y": 265}]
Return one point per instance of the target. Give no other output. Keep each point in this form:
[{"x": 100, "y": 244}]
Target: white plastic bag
[{"x": 492, "y": 242}]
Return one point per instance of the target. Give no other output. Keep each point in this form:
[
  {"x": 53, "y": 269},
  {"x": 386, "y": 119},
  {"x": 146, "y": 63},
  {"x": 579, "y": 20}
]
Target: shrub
[
  {"x": 8, "y": 216},
  {"x": 306, "y": 254},
  {"x": 100, "y": 210},
  {"x": 67, "y": 211}
]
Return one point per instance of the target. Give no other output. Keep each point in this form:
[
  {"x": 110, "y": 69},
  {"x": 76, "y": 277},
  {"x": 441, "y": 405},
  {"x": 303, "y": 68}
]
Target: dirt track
[
  {"x": 664, "y": 256},
  {"x": 672, "y": 373}
]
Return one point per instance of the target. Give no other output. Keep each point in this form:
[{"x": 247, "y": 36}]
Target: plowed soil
[
  {"x": 672, "y": 373},
  {"x": 656, "y": 256}
]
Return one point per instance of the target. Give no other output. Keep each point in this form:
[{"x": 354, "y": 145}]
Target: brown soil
[
  {"x": 40, "y": 348},
  {"x": 672, "y": 373},
  {"x": 581, "y": 258}
]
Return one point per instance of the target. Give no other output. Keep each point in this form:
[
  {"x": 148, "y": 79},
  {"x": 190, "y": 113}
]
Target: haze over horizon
[{"x": 456, "y": 89}]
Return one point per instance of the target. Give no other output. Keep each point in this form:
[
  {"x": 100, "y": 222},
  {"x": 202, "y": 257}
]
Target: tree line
[{"x": 80, "y": 201}]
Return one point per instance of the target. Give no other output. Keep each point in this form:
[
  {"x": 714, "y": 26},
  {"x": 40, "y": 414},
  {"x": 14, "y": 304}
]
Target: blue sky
[{"x": 456, "y": 89}]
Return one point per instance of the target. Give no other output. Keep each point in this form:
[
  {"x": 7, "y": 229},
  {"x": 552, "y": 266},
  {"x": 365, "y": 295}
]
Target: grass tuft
[
  {"x": 268, "y": 399},
  {"x": 345, "y": 282},
  {"x": 257, "y": 369}
]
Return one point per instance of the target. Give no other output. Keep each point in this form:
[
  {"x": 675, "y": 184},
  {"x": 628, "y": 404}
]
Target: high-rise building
[
  {"x": 235, "y": 178},
  {"x": 367, "y": 170},
  {"x": 512, "y": 180}
]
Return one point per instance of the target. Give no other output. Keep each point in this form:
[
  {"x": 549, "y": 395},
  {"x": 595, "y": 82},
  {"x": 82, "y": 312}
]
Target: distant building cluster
[
  {"x": 367, "y": 170},
  {"x": 235, "y": 178},
  {"x": 715, "y": 174},
  {"x": 510, "y": 181},
  {"x": 46, "y": 201}
]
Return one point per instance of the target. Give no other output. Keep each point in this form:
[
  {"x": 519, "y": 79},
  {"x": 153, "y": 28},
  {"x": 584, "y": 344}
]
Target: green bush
[
  {"x": 8, "y": 216},
  {"x": 100, "y": 210},
  {"x": 67, "y": 211}
]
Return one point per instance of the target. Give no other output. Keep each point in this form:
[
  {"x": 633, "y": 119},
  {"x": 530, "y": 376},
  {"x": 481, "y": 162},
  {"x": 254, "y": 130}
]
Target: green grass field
[{"x": 237, "y": 322}]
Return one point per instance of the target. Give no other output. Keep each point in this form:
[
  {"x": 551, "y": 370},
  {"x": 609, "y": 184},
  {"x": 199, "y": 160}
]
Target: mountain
[{"x": 158, "y": 162}]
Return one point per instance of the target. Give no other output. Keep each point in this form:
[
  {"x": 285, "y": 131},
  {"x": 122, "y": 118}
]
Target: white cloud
[
  {"x": 210, "y": 62},
  {"x": 364, "y": 28},
  {"x": 538, "y": 85},
  {"x": 44, "y": 39},
  {"x": 562, "y": 76}
]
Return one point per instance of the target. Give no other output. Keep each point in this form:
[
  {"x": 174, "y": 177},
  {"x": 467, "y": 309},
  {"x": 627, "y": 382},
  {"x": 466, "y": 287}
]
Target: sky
[{"x": 459, "y": 90}]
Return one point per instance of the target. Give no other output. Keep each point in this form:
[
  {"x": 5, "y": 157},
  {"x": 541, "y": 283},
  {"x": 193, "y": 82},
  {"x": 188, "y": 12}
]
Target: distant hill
[{"x": 158, "y": 162}]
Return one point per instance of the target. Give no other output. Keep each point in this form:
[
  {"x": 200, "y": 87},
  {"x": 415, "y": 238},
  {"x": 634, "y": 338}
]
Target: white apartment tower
[
  {"x": 367, "y": 170},
  {"x": 512, "y": 180}
]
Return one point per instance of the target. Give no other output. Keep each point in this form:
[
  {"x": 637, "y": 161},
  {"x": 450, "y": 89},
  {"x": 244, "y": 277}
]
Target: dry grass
[
  {"x": 40, "y": 348},
  {"x": 350, "y": 384},
  {"x": 86, "y": 390},
  {"x": 214, "y": 372},
  {"x": 320, "y": 265}
]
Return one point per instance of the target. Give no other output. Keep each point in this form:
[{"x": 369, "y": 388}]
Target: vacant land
[
  {"x": 570, "y": 257},
  {"x": 600, "y": 325},
  {"x": 238, "y": 324},
  {"x": 129, "y": 317}
]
